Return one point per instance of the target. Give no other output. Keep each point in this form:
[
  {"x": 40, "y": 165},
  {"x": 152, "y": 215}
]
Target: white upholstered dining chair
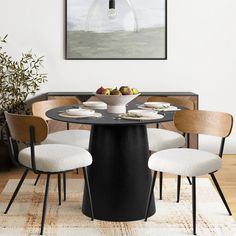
[
  {"x": 161, "y": 139},
  {"x": 192, "y": 162},
  {"x": 76, "y": 137},
  {"x": 44, "y": 158}
]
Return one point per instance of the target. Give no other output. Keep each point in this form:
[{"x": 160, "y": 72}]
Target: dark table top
[{"x": 107, "y": 118}]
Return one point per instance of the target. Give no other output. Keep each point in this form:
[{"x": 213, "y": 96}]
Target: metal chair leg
[
  {"x": 89, "y": 191},
  {"x": 189, "y": 180},
  {"x": 17, "y": 190},
  {"x": 59, "y": 188},
  {"x": 64, "y": 185},
  {"x": 178, "y": 186},
  {"x": 194, "y": 203},
  {"x": 45, "y": 204},
  {"x": 37, "y": 179},
  {"x": 220, "y": 192},
  {"x": 160, "y": 182},
  {"x": 150, "y": 194}
]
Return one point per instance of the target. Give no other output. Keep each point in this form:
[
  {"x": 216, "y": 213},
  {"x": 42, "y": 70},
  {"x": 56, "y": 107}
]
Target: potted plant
[{"x": 18, "y": 80}]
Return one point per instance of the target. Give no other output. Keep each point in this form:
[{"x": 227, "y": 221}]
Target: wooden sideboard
[{"x": 84, "y": 96}]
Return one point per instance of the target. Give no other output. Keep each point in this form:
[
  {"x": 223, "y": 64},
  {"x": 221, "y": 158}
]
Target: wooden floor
[{"x": 226, "y": 178}]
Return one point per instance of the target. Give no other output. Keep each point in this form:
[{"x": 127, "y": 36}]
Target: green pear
[
  {"x": 134, "y": 91},
  {"x": 106, "y": 92},
  {"x": 125, "y": 90}
]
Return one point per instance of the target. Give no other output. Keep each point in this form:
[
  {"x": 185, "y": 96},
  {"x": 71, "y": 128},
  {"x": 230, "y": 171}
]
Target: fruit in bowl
[
  {"x": 116, "y": 99},
  {"x": 123, "y": 90},
  {"x": 134, "y": 91},
  {"x": 100, "y": 90},
  {"x": 105, "y": 91},
  {"x": 115, "y": 92}
]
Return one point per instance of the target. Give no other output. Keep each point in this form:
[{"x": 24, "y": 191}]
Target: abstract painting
[{"x": 116, "y": 29}]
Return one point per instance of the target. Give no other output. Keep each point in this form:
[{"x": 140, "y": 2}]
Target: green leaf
[{"x": 19, "y": 79}]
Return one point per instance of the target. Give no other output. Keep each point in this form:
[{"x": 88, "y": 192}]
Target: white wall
[{"x": 201, "y": 53}]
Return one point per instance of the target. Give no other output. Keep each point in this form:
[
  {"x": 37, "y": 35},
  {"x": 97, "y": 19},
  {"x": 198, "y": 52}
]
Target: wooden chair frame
[
  {"x": 221, "y": 127},
  {"x": 39, "y": 109},
  {"x": 32, "y": 137}
]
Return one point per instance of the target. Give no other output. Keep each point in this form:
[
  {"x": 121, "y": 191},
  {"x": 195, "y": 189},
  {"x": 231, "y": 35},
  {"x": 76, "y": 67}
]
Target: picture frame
[{"x": 99, "y": 42}]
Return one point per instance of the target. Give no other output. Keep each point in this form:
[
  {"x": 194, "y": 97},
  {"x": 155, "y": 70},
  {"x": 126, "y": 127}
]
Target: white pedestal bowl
[{"x": 116, "y": 103}]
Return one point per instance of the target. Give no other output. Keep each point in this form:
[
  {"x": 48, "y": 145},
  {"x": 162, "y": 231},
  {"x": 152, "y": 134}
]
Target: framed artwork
[{"x": 116, "y": 29}]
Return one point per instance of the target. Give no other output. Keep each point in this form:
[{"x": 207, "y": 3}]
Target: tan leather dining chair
[
  {"x": 45, "y": 159},
  {"x": 192, "y": 162},
  {"x": 161, "y": 139}
]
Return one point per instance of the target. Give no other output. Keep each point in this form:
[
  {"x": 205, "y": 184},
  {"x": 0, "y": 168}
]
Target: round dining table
[{"x": 119, "y": 175}]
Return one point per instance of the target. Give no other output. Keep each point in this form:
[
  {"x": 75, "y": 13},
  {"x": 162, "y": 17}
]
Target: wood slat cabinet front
[{"x": 57, "y": 126}]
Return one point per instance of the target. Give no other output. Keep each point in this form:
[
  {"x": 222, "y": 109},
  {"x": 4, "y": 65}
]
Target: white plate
[
  {"x": 64, "y": 114},
  {"x": 95, "y": 105},
  {"x": 156, "y": 104},
  {"x": 156, "y": 117},
  {"x": 146, "y": 113},
  {"x": 79, "y": 112},
  {"x": 170, "y": 108}
]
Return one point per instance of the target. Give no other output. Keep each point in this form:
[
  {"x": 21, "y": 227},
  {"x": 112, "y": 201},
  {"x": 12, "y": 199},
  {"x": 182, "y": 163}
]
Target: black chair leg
[
  {"x": 178, "y": 186},
  {"x": 59, "y": 188},
  {"x": 45, "y": 204},
  {"x": 36, "y": 181},
  {"x": 89, "y": 191},
  {"x": 64, "y": 185},
  {"x": 150, "y": 194},
  {"x": 17, "y": 190},
  {"x": 220, "y": 193},
  {"x": 160, "y": 183},
  {"x": 189, "y": 180},
  {"x": 77, "y": 171},
  {"x": 194, "y": 204}
]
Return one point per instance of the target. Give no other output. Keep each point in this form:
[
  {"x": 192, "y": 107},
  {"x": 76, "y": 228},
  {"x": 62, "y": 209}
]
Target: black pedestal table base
[{"x": 119, "y": 176}]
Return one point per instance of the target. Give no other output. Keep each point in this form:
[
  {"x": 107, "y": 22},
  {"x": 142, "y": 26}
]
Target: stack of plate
[
  {"x": 95, "y": 105},
  {"x": 78, "y": 113},
  {"x": 158, "y": 106},
  {"x": 141, "y": 115}
]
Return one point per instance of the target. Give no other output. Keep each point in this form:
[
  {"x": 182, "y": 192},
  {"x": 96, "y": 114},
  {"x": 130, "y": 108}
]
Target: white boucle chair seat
[
  {"x": 56, "y": 157},
  {"x": 160, "y": 139},
  {"x": 184, "y": 161},
  {"x": 79, "y": 138}
]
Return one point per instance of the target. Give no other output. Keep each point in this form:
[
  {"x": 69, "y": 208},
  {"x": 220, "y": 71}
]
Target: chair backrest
[
  {"x": 19, "y": 127},
  {"x": 204, "y": 122},
  {"x": 40, "y": 108},
  {"x": 174, "y": 101}
]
